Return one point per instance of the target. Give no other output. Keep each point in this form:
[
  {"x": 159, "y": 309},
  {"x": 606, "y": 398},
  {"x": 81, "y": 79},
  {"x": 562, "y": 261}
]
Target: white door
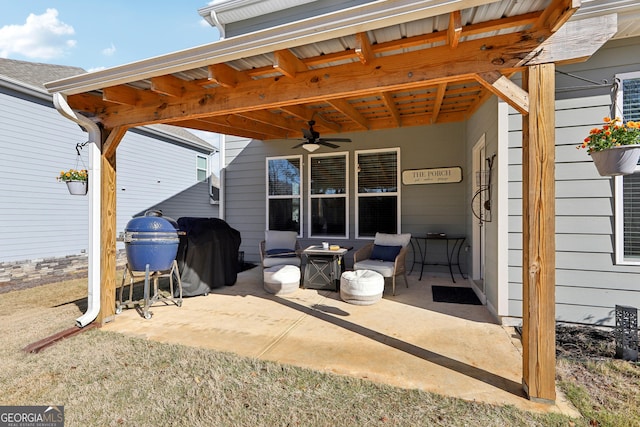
[{"x": 479, "y": 205}]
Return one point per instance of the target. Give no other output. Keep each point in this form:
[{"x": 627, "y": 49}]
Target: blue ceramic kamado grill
[
  {"x": 151, "y": 243},
  {"x": 153, "y": 240}
]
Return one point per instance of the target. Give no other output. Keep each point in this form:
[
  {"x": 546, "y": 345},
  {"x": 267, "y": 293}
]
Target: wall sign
[{"x": 432, "y": 176}]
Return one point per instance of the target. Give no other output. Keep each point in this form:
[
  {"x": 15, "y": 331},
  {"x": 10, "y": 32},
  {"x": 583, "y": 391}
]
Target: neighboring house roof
[
  {"x": 30, "y": 77},
  {"x": 36, "y": 73}
]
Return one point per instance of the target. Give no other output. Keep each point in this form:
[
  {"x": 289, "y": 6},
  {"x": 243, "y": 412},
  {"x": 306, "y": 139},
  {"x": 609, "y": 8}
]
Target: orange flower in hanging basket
[{"x": 73, "y": 175}]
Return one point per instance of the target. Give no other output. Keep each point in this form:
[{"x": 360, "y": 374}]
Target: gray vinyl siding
[
  {"x": 425, "y": 208},
  {"x": 588, "y": 282},
  {"x": 291, "y": 14},
  {"x": 38, "y": 216},
  {"x": 244, "y": 192},
  {"x": 156, "y": 174}
]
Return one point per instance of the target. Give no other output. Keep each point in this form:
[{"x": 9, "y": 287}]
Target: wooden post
[
  {"x": 108, "y": 235},
  {"x": 538, "y": 218}
]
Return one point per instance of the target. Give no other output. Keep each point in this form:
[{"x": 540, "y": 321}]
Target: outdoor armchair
[
  {"x": 386, "y": 255},
  {"x": 280, "y": 248}
]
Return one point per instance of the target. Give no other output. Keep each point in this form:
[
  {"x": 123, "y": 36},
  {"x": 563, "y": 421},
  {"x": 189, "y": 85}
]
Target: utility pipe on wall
[{"x": 95, "y": 138}]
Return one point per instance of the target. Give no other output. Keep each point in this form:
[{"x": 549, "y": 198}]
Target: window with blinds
[
  {"x": 328, "y": 195},
  {"x": 284, "y": 181},
  {"x": 377, "y": 196},
  {"x": 628, "y": 186}
]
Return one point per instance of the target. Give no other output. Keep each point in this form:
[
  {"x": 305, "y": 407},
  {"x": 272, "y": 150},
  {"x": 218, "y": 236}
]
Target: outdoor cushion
[
  {"x": 386, "y": 268},
  {"x": 392, "y": 239},
  {"x": 281, "y": 279},
  {"x": 361, "y": 287},
  {"x": 385, "y": 253},
  {"x": 276, "y": 239},
  {"x": 281, "y": 253}
]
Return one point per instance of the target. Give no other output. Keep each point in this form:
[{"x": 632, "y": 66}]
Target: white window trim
[
  {"x": 619, "y": 78},
  {"x": 618, "y": 185},
  {"x": 357, "y": 195},
  {"x": 268, "y": 197},
  {"x": 332, "y": 196},
  {"x": 206, "y": 169}
]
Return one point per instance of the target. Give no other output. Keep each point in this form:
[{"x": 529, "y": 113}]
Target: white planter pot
[
  {"x": 77, "y": 188},
  {"x": 617, "y": 160}
]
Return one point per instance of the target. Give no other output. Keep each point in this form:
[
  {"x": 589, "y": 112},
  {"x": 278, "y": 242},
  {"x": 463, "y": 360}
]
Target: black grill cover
[{"x": 207, "y": 255}]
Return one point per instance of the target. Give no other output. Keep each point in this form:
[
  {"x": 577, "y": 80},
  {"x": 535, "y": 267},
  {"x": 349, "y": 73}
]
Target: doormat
[{"x": 455, "y": 295}]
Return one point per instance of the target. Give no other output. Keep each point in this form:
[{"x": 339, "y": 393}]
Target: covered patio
[
  {"x": 377, "y": 66},
  {"x": 406, "y": 340}
]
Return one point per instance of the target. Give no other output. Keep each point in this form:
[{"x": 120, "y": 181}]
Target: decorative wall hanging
[{"x": 432, "y": 176}]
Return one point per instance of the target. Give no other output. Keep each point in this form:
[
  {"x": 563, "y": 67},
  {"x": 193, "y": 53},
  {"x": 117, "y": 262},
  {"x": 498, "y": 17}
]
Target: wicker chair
[
  {"x": 385, "y": 255},
  {"x": 280, "y": 248}
]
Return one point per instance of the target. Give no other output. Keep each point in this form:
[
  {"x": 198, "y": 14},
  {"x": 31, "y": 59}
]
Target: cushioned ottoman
[
  {"x": 281, "y": 279},
  {"x": 361, "y": 287}
]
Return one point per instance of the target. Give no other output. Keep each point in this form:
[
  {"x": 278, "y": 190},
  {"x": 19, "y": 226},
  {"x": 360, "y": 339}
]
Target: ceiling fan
[{"x": 312, "y": 140}]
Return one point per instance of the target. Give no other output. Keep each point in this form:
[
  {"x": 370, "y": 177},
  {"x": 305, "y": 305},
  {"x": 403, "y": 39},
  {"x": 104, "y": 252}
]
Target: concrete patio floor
[{"x": 406, "y": 340}]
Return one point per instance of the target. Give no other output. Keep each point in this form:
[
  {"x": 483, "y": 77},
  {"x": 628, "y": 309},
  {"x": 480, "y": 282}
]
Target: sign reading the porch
[{"x": 432, "y": 176}]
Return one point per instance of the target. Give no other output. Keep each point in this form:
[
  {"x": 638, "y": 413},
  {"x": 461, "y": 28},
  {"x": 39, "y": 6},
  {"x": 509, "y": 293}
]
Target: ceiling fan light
[{"x": 310, "y": 147}]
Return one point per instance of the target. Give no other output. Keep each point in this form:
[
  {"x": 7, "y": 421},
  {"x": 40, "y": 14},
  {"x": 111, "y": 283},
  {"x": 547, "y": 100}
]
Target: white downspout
[
  {"x": 223, "y": 174},
  {"x": 95, "y": 177}
]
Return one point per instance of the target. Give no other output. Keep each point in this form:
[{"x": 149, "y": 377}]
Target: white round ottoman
[
  {"x": 281, "y": 279},
  {"x": 361, "y": 287}
]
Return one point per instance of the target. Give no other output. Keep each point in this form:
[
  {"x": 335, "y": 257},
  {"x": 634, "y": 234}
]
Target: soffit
[{"x": 417, "y": 72}]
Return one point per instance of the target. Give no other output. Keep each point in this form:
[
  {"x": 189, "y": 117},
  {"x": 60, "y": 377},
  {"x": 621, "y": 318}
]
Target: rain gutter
[
  {"x": 341, "y": 23},
  {"x": 95, "y": 139}
]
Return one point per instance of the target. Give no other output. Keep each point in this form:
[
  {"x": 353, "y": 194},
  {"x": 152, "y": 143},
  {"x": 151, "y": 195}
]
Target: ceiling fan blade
[
  {"x": 327, "y": 144},
  {"x": 337, "y": 139},
  {"x": 300, "y": 145}
]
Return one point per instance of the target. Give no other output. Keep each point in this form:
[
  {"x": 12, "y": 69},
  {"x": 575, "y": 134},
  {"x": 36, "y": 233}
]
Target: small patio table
[
  {"x": 453, "y": 246},
  {"x": 324, "y": 268}
]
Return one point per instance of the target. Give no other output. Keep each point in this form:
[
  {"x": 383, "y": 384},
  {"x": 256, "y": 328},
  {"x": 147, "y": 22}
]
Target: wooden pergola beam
[
  {"x": 454, "y": 32},
  {"x": 437, "y": 103},
  {"x": 287, "y": 63},
  {"x": 108, "y": 226},
  {"x": 505, "y": 89},
  {"x": 389, "y": 102},
  {"x": 538, "y": 225},
  {"x": 415, "y": 70},
  {"x": 350, "y": 111},
  {"x": 363, "y": 48},
  {"x": 225, "y": 76}
]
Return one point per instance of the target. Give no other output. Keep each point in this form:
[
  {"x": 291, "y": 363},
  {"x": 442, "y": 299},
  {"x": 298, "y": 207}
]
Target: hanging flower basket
[
  {"x": 615, "y": 147},
  {"x": 77, "y": 188},
  {"x": 620, "y": 160},
  {"x": 76, "y": 181}
]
